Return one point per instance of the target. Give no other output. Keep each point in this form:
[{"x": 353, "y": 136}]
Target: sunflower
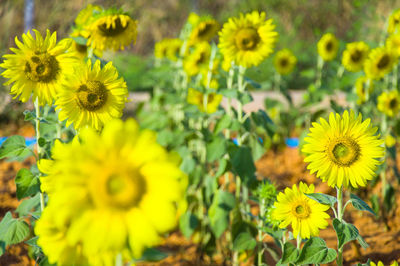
[
  {"x": 344, "y": 151},
  {"x": 389, "y": 103},
  {"x": 362, "y": 83},
  {"x": 305, "y": 215},
  {"x": 86, "y": 14},
  {"x": 380, "y": 263},
  {"x": 328, "y": 47},
  {"x": 394, "y": 22},
  {"x": 197, "y": 98},
  {"x": 92, "y": 96},
  {"x": 379, "y": 63},
  {"x": 284, "y": 61},
  {"x": 114, "y": 193},
  {"x": 249, "y": 39},
  {"x": 393, "y": 44},
  {"x": 204, "y": 29},
  {"x": 168, "y": 48},
  {"x": 354, "y": 56},
  {"x": 110, "y": 29},
  {"x": 38, "y": 66},
  {"x": 79, "y": 46},
  {"x": 198, "y": 60}
]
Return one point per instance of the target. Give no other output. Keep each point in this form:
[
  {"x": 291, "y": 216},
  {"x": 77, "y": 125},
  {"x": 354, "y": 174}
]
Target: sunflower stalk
[
  {"x": 39, "y": 149},
  {"x": 320, "y": 66},
  {"x": 383, "y": 173},
  {"x": 340, "y": 210},
  {"x": 260, "y": 232},
  {"x": 277, "y": 81}
]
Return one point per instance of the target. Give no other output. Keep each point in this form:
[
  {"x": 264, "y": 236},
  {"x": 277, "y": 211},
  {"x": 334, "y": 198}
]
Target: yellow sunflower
[
  {"x": 114, "y": 193},
  {"x": 197, "y": 98},
  {"x": 354, "y": 56},
  {"x": 110, "y": 29},
  {"x": 346, "y": 151},
  {"x": 198, "y": 60},
  {"x": 393, "y": 44},
  {"x": 380, "y": 263},
  {"x": 305, "y": 215},
  {"x": 249, "y": 39},
  {"x": 86, "y": 14},
  {"x": 394, "y": 22},
  {"x": 92, "y": 96},
  {"x": 168, "y": 48},
  {"x": 362, "y": 83},
  {"x": 328, "y": 47},
  {"x": 284, "y": 61},
  {"x": 204, "y": 29},
  {"x": 38, "y": 65},
  {"x": 389, "y": 103},
  {"x": 379, "y": 63}
]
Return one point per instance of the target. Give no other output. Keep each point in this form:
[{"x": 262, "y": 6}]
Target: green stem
[
  {"x": 260, "y": 232},
  {"x": 298, "y": 241},
  {"x": 394, "y": 77},
  {"x": 277, "y": 81},
  {"x": 39, "y": 149},
  {"x": 339, "y": 191},
  {"x": 320, "y": 65},
  {"x": 383, "y": 173}
]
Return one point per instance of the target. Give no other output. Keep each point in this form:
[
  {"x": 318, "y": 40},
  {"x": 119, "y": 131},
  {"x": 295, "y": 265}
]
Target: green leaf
[
  {"x": 244, "y": 241},
  {"x": 216, "y": 149},
  {"x": 27, "y": 205},
  {"x": 188, "y": 223},
  {"x": 42, "y": 142},
  {"x": 322, "y": 198},
  {"x": 315, "y": 251},
  {"x": 290, "y": 253},
  {"x": 152, "y": 254},
  {"x": 27, "y": 184},
  {"x": 223, "y": 123},
  {"x": 2, "y": 247},
  {"x": 359, "y": 204},
  {"x": 13, "y": 231},
  {"x": 242, "y": 163},
  {"x": 80, "y": 40},
  {"x": 261, "y": 118},
  {"x": 29, "y": 115},
  {"x": 345, "y": 232},
  {"x": 223, "y": 203},
  {"x": 222, "y": 167},
  {"x": 229, "y": 93},
  {"x": 14, "y": 146},
  {"x": 188, "y": 164}
]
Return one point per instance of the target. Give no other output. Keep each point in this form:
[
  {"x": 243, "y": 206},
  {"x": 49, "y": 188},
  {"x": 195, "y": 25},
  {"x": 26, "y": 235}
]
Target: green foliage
[
  {"x": 322, "y": 198},
  {"x": 315, "y": 251},
  {"x": 347, "y": 232},
  {"x": 27, "y": 184},
  {"x": 244, "y": 241},
  {"x": 290, "y": 253},
  {"x": 13, "y": 231},
  {"x": 14, "y": 148},
  {"x": 242, "y": 163},
  {"x": 359, "y": 204},
  {"x": 218, "y": 213}
]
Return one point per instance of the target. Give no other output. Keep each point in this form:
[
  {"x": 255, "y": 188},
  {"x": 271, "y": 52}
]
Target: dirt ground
[{"x": 284, "y": 167}]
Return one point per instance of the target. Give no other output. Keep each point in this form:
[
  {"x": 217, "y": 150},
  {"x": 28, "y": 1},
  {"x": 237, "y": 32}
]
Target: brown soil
[{"x": 284, "y": 168}]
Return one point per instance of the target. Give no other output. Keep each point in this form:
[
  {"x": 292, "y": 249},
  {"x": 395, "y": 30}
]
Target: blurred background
[{"x": 300, "y": 24}]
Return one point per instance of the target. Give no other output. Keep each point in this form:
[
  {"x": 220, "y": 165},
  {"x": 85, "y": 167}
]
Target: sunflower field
[{"x": 226, "y": 142}]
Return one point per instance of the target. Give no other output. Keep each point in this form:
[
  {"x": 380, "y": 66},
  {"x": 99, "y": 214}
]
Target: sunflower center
[
  {"x": 247, "y": 39},
  {"x": 284, "y": 62},
  {"x": 356, "y": 56},
  {"x": 42, "y": 67},
  {"x": 329, "y": 46},
  {"x": 92, "y": 95},
  {"x": 109, "y": 30},
  {"x": 81, "y": 48},
  {"x": 344, "y": 152},
  {"x": 202, "y": 58},
  {"x": 393, "y": 103},
  {"x": 119, "y": 190},
  {"x": 301, "y": 210},
  {"x": 383, "y": 62},
  {"x": 205, "y": 29}
]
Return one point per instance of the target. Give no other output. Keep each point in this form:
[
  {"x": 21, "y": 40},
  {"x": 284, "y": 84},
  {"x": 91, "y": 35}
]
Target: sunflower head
[
  {"x": 393, "y": 44},
  {"x": 344, "y": 151},
  {"x": 305, "y": 215},
  {"x": 38, "y": 65},
  {"x": 249, "y": 39},
  {"x": 394, "y": 22},
  {"x": 363, "y": 85},
  {"x": 203, "y": 29},
  {"x": 168, "y": 48},
  {"x": 110, "y": 29},
  {"x": 86, "y": 14},
  {"x": 206, "y": 103},
  {"x": 92, "y": 96},
  {"x": 354, "y": 56},
  {"x": 328, "y": 47},
  {"x": 129, "y": 181},
  {"x": 379, "y": 63},
  {"x": 284, "y": 61},
  {"x": 198, "y": 60},
  {"x": 389, "y": 103}
]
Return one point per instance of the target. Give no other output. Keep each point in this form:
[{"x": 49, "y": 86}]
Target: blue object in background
[
  {"x": 292, "y": 142},
  {"x": 28, "y": 141}
]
